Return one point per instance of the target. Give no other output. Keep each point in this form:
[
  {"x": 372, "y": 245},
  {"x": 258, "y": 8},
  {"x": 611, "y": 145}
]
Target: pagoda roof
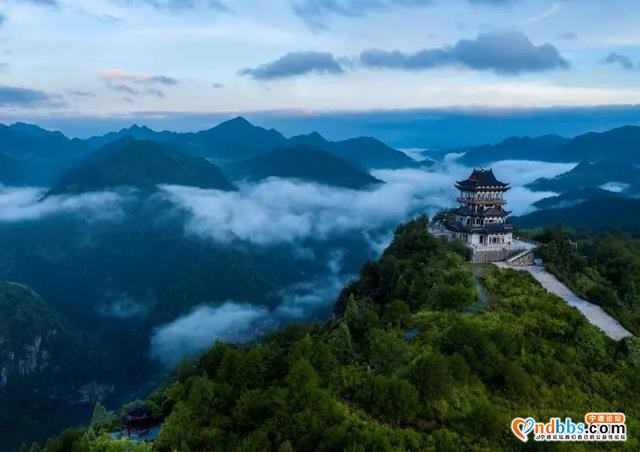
[{"x": 481, "y": 178}]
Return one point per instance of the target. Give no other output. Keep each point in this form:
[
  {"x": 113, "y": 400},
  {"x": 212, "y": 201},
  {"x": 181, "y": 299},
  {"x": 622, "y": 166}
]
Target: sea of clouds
[
  {"x": 283, "y": 211},
  {"x": 276, "y": 212},
  {"x": 31, "y": 203},
  {"x": 286, "y": 211}
]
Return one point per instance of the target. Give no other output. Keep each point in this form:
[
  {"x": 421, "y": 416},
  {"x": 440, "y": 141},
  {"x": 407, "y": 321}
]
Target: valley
[{"x": 153, "y": 245}]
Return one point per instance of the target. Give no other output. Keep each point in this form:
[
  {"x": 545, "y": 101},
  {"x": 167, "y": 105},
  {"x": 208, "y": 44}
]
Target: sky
[{"x": 69, "y": 63}]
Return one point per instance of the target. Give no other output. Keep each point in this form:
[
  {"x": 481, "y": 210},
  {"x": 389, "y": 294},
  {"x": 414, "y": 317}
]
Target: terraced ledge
[{"x": 594, "y": 313}]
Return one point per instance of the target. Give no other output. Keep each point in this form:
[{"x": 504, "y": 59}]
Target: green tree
[
  {"x": 431, "y": 376},
  {"x": 396, "y": 314},
  {"x": 103, "y": 419},
  {"x": 390, "y": 398},
  {"x": 388, "y": 350}
]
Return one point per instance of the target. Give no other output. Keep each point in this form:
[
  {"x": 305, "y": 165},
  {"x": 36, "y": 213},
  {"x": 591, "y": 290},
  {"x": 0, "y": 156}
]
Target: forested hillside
[
  {"x": 304, "y": 163},
  {"x": 49, "y": 372},
  {"x": 415, "y": 360},
  {"x": 604, "y": 269}
]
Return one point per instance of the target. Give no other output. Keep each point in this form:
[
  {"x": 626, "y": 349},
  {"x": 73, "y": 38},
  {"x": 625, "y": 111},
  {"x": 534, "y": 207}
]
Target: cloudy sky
[{"x": 114, "y": 58}]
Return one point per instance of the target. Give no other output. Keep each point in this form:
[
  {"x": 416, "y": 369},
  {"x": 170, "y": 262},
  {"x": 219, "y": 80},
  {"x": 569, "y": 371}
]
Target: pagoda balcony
[{"x": 481, "y": 201}]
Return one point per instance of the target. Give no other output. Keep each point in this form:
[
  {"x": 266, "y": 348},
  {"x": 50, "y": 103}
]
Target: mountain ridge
[
  {"x": 140, "y": 164},
  {"x": 305, "y": 163},
  {"x": 587, "y": 175}
]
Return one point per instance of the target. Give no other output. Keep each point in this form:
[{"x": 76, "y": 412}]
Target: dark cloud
[
  {"x": 80, "y": 93},
  {"x": 623, "y": 61},
  {"x": 25, "y": 97},
  {"x": 124, "y": 89},
  {"x": 161, "y": 79},
  {"x": 295, "y": 63},
  {"x": 504, "y": 52},
  {"x": 155, "y": 92},
  {"x": 136, "y": 85}
]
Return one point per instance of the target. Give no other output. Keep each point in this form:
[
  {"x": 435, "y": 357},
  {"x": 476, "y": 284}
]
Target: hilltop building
[
  {"x": 481, "y": 217},
  {"x": 481, "y": 223}
]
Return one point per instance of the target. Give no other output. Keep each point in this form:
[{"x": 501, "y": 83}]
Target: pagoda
[{"x": 481, "y": 220}]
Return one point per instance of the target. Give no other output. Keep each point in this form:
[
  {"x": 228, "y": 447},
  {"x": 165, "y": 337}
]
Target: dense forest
[
  {"x": 604, "y": 269},
  {"x": 415, "y": 359}
]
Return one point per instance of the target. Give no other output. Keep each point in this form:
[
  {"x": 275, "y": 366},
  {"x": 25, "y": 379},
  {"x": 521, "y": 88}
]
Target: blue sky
[{"x": 139, "y": 58}]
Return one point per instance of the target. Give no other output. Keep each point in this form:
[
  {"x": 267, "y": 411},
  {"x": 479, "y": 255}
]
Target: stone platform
[{"x": 516, "y": 253}]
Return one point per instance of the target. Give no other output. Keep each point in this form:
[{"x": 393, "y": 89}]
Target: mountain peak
[
  {"x": 311, "y": 139},
  {"x": 30, "y": 128},
  {"x": 316, "y": 135},
  {"x": 142, "y": 164},
  {"x": 237, "y": 122},
  {"x": 307, "y": 163}
]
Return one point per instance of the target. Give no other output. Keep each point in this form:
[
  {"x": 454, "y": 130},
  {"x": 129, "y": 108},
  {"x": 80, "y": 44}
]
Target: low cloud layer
[
  {"x": 194, "y": 332},
  {"x": 279, "y": 211},
  {"x": 237, "y": 322},
  {"x": 502, "y": 51},
  {"x": 295, "y": 63},
  {"x": 26, "y": 204},
  {"x": 305, "y": 298}
]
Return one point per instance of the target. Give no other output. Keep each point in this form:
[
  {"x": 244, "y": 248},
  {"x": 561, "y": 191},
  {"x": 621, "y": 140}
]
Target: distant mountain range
[
  {"x": 304, "y": 163},
  {"x": 363, "y": 152},
  {"x": 575, "y": 197},
  {"x": 140, "y": 164},
  {"x": 238, "y": 139},
  {"x": 39, "y": 155},
  {"x": 620, "y": 175},
  {"x": 30, "y": 155},
  {"x": 11, "y": 171},
  {"x": 544, "y": 148},
  {"x": 596, "y": 215},
  {"x": 598, "y": 196},
  {"x": 621, "y": 144}
]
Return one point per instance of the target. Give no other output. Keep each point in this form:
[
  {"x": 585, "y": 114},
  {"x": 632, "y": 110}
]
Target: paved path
[{"x": 594, "y": 313}]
